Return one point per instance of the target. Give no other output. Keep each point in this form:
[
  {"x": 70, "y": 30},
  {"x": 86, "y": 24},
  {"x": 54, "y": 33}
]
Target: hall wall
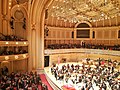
[
  {"x": 15, "y": 66},
  {"x": 76, "y": 57},
  {"x": 8, "y": 9},
  {"x": 103, "y": 35}
]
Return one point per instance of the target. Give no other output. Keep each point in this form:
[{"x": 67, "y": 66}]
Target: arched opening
[
  {"x": 83, "y": 30},
  {"x": 83, "y": 25},
  {"x": 36, "y": 23},
  {"x": 18, "y": 22}
]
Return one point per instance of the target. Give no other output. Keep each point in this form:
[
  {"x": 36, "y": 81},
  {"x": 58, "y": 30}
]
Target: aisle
[{"x": 44, "y": 80}]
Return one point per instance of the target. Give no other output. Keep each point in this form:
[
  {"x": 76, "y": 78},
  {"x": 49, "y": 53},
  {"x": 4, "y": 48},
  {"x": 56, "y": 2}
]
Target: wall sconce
[
  {"x": 16, "y": 57},
  {"x": 6, "y": 57},
  {"x": 6, "y": 42},
  {"x": 25, "y": 43},
  {"x": 24, "y": 56},
  {"x": 16, "y": 42}
]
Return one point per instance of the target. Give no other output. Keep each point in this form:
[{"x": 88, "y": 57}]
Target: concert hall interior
[{"x": 59, "y": 44}]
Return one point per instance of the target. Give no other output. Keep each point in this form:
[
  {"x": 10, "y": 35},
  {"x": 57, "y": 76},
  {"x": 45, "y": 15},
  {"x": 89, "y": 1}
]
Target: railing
[
  {"x": 82, "y": 50},
  {"x": 49, "y": 79},
  {"x": 13, "y": 43},
  {"x": 9, "y": 50}
]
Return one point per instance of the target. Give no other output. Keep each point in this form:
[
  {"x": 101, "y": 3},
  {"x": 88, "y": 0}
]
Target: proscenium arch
[{"x": 36, "y": 33}]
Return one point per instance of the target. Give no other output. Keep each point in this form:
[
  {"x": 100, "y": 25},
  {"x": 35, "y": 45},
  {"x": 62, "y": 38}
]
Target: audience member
[{"x": 20, "y": 81}]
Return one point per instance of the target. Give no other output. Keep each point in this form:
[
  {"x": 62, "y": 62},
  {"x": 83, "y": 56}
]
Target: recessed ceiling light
[
  {"x": 53, "y": 6},
  {"x": 102, "y": 14}
]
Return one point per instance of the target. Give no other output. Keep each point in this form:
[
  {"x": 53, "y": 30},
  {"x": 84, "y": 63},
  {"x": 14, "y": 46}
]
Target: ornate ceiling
[
  {"x": 66, "y": 13},
  {"x": 84, "y": 10}
]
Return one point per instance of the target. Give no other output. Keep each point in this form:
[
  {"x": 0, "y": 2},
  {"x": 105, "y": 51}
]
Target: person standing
[
  {"x": 2, "y": 71},
  {"x": 5, "y": 70}
]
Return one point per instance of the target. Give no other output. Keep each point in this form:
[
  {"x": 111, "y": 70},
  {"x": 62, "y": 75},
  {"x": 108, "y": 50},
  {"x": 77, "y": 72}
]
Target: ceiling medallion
[{"x": 84, "y": 10}]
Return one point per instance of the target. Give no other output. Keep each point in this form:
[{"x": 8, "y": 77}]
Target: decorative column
[
  {"x": 61, "y": 22},
  {"x": 40, "y": 41},
  {"x": 56, "y": 22},
  {"x": 31, "y": 39},
  {"x": 33, "y": 43},
  {"x": 110, "y": 22},
  {"x": 91, "y": 33},
  {"x": 65, "y": 23},
  {"x": 103, "y": 22},
  {"x": 116, "y": 19},
  {"x": 0, "y": 16},
  {"x": 52, "y": 19},
  {"x": 37, "y": 16},
  {"x": 4, "y": 25},
  {"x": 96, "y": 24},
  {"x": 74, "y": 29},
  {"x": 10, "y": 32},
  {"x": 4, "y": 16}
]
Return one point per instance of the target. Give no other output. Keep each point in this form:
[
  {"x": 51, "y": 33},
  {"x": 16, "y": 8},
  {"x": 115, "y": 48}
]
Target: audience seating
[
  {"x": 10, "y": 38},
  {"x": 21, "y": 81},
  {"x": 84, "y": 45}
]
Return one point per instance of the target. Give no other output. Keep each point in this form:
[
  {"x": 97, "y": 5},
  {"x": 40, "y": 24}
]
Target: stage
[{"x": 62, "y": 84}]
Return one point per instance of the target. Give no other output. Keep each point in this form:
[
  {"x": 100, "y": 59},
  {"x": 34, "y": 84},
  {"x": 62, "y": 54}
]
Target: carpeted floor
[{"x": 44, "y": 80}]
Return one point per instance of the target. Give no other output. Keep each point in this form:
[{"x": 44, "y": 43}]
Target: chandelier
[{"x": 84, "y": 10}]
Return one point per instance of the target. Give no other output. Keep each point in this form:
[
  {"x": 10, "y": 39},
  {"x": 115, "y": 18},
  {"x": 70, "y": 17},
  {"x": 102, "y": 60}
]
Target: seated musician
[
  {"x": 68, "y": 66},
  {"x": 60, "y": 75},
  {"x": 72, "y": 66}
]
